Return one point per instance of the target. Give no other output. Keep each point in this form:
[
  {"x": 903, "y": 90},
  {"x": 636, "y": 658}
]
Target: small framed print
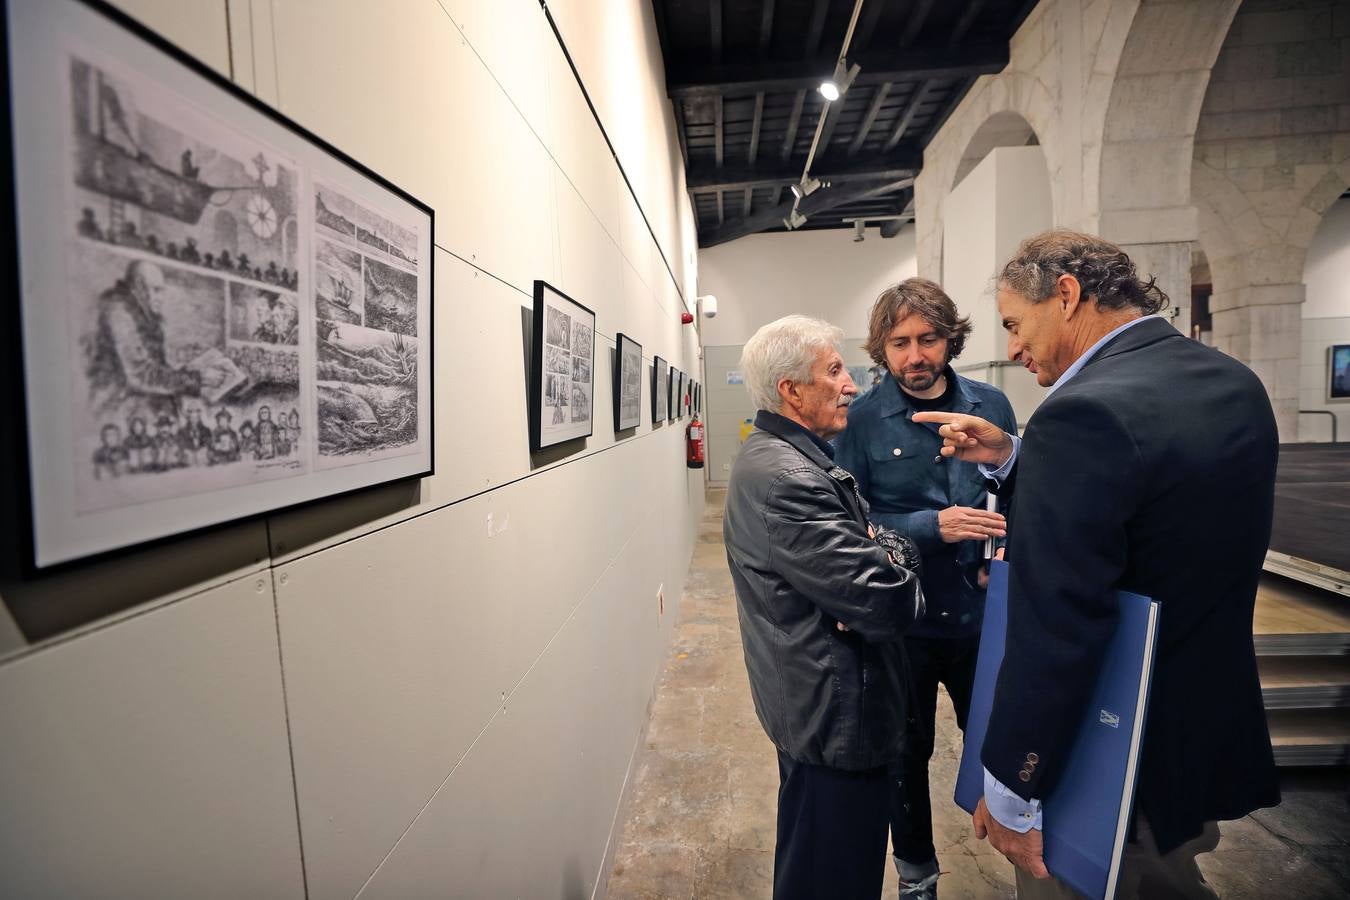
[
  {"x": 627, "y": 383},
  {"x": 1338, "y": 372},
  {"x": 660, "y": 389},
  {"x": 562, "y": 388},
  {"x": 673, "y": 401}
]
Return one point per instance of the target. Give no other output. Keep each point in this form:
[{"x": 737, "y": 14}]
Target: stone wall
[{"x": 1272, "y": 153}]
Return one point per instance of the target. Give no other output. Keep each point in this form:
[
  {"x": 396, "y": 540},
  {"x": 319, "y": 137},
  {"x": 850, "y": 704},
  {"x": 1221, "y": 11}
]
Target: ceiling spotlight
[
  {"x": 858, "y": 233},
  {"x": 806, "y": 187},
  {"x": 794, "y": 220},
  {"x": 829, "y": 90}
]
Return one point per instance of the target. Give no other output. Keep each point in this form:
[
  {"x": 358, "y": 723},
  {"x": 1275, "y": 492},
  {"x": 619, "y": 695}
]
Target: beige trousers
[{"x": 1144, "y": 874}]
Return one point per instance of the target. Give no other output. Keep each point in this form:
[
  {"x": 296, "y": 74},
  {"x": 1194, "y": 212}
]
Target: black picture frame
[
  {"x": 660, "y": 390},
  {"x": 562, "y": 373},
  {"x": 122, "y": 142},
  {"x": 1338, "y": 373},
  {"x": 673, "y": 401},
  {"x": 627, "y": 383}
]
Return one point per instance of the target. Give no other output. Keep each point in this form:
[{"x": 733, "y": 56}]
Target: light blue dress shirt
[{"x": 1004, "y": 805}]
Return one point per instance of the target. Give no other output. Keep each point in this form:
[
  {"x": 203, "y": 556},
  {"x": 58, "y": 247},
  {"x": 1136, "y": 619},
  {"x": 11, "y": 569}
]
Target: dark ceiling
[{"x": 743, "y": 74}]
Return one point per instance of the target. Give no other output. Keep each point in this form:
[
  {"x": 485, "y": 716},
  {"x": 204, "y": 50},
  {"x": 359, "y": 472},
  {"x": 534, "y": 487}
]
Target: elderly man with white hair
[{"x": 822, "y": 596}]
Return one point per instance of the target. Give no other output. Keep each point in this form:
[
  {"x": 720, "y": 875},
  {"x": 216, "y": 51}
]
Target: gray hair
[{"x": 785, "y": 348}]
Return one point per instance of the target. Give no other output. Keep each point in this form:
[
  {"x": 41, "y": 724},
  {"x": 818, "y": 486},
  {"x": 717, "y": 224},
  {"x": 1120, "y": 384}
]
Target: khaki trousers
[{"x": 1144, "y": 874}]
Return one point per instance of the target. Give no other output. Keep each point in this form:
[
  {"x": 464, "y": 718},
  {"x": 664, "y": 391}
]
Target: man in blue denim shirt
[{"x": 915, "y": 332}]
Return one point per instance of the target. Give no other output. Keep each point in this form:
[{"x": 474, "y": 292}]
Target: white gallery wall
[
  {"x": 431, "y": 688},
  {"x": 1326, "y": 321},
  {"x": 759, "y": 278}
]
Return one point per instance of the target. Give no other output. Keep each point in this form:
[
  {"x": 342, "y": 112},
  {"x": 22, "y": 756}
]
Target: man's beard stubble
[{"x": 918, "y": 380}]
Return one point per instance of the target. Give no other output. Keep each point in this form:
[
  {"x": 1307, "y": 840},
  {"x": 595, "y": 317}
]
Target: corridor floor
[{"x": 699, "y": 822}]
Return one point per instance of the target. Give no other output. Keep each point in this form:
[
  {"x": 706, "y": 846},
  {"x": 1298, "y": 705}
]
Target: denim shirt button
[{"x": 895, "y": 452}]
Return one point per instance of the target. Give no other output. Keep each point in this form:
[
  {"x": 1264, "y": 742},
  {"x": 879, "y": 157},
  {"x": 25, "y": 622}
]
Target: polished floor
[{"x": 699, "y": 821}]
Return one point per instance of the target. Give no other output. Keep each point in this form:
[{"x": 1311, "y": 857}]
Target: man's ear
[
  {"x": 788, "y": 392},
  {"x": 1069, "y": 296}
]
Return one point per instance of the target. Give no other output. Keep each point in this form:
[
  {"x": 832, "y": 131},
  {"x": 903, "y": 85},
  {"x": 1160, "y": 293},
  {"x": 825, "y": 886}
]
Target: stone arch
[
  {"x": 995, "y": 113},
  {"x": 1143, "y": 184},
  {"x": 1264, "y": 173}
]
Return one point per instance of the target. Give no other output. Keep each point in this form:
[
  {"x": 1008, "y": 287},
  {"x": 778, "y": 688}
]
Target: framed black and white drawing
[
  {"x": 673, "y": 401},
  {"x": 562, "y": 388},
  {"x": 1338, "y": 372},
  {"x": 660, "y": 389},
  {"x": 222, "y": 315},
  {"x": 627, "y": 383}
]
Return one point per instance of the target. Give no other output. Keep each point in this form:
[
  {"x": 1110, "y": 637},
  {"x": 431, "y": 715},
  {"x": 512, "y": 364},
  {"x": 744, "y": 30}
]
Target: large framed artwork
[
  {"x": 562, "y": 388},
  {"x": 1338, "y": 372},
  {"x": 221, "y": 314},
  {"x": 660, "y": 389},
  {"x": 627, "y": 383}
]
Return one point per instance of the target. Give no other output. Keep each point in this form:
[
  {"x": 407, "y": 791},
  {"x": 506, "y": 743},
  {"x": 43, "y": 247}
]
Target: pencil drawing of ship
[{"x": 342, "y": 294}]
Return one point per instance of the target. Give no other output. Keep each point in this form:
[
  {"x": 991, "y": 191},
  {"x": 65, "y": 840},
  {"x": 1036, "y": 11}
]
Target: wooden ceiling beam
[
  {"x": 907, "y": 117},
  {"x": 915, "y": 23},
  {"x": 967, "y": 19},
  {"x": 817, "y": 204},
  {"x": 865, "y": 126},
  {"x": 899, "y": 163},
  {"x": 765, "y": 28},
  {"x": 794, "y": 122},
  {"x": 815, "y": 29},
  {"x": 755, "y": 126},
  {"x": 961, "y": 61}
]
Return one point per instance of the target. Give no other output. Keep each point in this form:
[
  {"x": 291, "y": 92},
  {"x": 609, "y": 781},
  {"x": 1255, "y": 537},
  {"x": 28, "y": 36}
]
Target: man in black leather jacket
[{"x": 822, "y": 597}]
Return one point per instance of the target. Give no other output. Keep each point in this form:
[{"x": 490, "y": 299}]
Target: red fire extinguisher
[{"x": 693, "y": 456}]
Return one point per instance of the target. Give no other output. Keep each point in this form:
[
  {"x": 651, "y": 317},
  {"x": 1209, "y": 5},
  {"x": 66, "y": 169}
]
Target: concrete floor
[{"x": 699, "y": 821}]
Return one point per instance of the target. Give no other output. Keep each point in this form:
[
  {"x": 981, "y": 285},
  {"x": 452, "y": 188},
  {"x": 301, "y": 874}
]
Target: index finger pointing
[{"x": 945, "y": 418}]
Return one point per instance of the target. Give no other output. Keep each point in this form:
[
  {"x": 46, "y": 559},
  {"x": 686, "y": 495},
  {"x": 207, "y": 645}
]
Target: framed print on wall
[
  {"x": 562, "y": 386},
  {"x": 627, "y": 383},
  {"x": 221, "y": 314},
  {"x": 1338, "y": 372},
  {"x": 673, "y": 401},
  {"x": 660, "y": 389}
]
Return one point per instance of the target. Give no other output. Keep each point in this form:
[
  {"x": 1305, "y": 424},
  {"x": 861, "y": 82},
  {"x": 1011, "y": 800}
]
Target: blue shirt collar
[{"x": 1093, "y": 351}]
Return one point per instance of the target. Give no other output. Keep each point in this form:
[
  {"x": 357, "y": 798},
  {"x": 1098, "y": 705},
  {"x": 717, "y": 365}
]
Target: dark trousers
[
  {"x": 931, "y": 660},
  {"x": 831, "y": 832}
]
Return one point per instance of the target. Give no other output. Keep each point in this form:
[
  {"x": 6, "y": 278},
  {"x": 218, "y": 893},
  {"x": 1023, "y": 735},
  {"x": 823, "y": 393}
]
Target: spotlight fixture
[
  {"x": 794, "y": 220},
  {"x": 806, "y": 187},
  {"x": 834, "y": 86},
  {"x": 858, "y": 232}
]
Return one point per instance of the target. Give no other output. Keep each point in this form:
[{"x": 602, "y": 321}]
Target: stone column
[
  {"x": 1170, "y": 263},
  {"x": 1262, "y": 325}
]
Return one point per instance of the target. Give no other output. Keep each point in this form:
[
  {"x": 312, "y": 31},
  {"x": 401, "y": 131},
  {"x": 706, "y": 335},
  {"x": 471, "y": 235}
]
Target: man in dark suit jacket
[{"x": 1149, "y": 467}]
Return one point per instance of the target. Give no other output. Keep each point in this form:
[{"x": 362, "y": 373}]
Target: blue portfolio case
[{"x": 1087, "y": 816}]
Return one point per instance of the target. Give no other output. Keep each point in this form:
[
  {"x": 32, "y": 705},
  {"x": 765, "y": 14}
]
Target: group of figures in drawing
[
  {"x": 128, "y": 235},
  {"x": 568, "y": 356},
  {"x": 172, "y": 443}
]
